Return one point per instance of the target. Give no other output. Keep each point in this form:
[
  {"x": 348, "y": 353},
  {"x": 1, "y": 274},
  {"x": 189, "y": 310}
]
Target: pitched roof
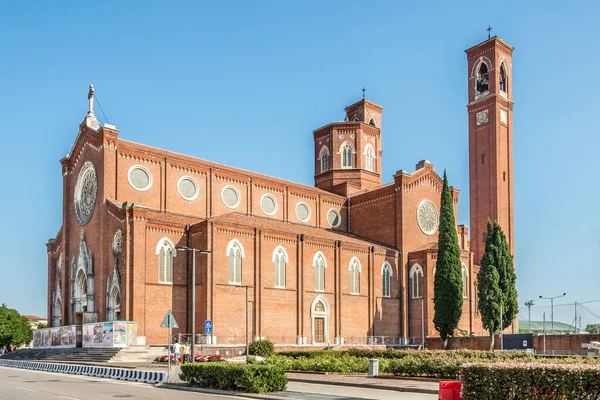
[
  {"x": 292, "y": 229},
  {"x": 33, "y": 318},
  {"x": 428, "y": 246}
]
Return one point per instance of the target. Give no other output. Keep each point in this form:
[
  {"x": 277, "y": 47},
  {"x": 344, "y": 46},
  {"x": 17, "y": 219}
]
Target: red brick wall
[{"x": 491, "y": 195}]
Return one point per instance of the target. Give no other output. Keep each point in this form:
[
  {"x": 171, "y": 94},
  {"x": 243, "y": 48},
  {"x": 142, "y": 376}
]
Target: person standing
[{"x": 176, "y": 351}]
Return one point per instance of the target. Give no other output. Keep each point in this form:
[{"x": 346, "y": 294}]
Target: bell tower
[
  {"x": 490, "y": 140},
  {"x": 348, "y": 153}
]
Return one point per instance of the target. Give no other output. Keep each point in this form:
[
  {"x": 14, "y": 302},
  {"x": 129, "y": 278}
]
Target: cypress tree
[
  {"x": 488, "y": 283},
  {"x": 448, "y": 285},
  {"x": 507, "y": 278}
]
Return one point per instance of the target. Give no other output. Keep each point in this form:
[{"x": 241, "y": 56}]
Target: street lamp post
[
  {"x": 247, "y": 344},
  {"x": 552, "y": 307},
  {"x": 194, "y": 251},
  {"x": 529, "y": 304}
]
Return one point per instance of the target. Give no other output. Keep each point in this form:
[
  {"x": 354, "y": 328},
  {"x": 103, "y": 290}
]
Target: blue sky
[{"x": 246, "y": 83}]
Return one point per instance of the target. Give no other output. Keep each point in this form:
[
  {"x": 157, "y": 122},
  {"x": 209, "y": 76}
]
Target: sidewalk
[{"x": 388, "y": 383}]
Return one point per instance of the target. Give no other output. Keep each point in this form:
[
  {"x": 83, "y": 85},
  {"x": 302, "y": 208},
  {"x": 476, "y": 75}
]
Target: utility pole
[
  {"x": 529, "y": 304},
  {"x": 552, "y": 307},
  {"x": 501, "y": 330},
  {"x": 575, "y": 317},
  {"x": 193, "y": 284},
  {"x": 544, "y": 329}
]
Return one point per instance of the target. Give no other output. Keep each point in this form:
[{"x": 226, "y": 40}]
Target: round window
[
  {"x": 140, "y": 178},
  {"x": 230, "y": 196},
  {"x": 86, "y": 190},
  {"x": 333, "y": 217},
  {"x": 187, "y": 188},
  {"x": 268, "y": 204},
  {"x": 427, "y": 217},
  {"x": 303, "y": 211}
]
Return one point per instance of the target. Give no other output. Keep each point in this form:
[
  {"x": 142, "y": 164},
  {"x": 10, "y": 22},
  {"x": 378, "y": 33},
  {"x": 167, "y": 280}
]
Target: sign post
[{"x": 169, "y": 322}]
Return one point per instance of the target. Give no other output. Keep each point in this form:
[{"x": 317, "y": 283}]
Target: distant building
[
  {"x": 540, "y": 326},
  {"x": 34, "y": 321}
]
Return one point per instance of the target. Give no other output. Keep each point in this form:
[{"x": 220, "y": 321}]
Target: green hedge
[
  {"x": 530, "y": 381},
  {"x": 264, "y": 348},
  {"x": 324, "y": 363},
  {"x": 428, "y": 363},
  {"x": 252, "y": 378}
]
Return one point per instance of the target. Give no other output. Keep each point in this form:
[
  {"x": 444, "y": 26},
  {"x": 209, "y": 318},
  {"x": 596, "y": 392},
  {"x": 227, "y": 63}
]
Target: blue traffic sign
[{"x": 208, "y": 327}]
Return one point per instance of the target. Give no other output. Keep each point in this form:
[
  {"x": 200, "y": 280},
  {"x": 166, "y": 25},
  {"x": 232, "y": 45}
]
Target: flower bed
[
  {"x": 530, "y": 381},
  {"x": 252, "y": 378},
  {"x": 197, "y": 358}
]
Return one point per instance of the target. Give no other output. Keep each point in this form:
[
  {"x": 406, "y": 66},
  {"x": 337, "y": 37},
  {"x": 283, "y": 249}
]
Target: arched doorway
[
  {"x": 114, "y": 304},
  {"x": 319, "y": 312},
  {"x": 80, "y": 295}
]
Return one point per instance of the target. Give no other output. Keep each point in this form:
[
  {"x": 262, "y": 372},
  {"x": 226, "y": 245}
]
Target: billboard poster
[
  {"x": 90, "y": 318},
  {"x": 67, "y": 334},
  {"x": 120, "y": 334},
  {"x": 46, "y": 338},
  {"x": 88, "y": 336},
  {"x": 55, "y": 337},
  {"x": 37, "y": 338},
  {"x": 107, "y": 334}
]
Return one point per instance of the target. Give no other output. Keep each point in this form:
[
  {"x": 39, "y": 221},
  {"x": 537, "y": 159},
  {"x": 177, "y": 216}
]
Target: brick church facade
[{"x": 346, "y": 259}]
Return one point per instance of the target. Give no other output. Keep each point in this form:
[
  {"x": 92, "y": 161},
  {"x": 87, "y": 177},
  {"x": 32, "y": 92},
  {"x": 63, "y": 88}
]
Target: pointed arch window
[
  {"x": 235, "y": 253},
  {"x": 416, "y": 276},
  {"x": 355, "y": 270},
  {"x": 280, "y": 260},
  {"x": 465, "y": 281},
  {"x": 369, "y": 157},
  {"x": 324, "y": 156},
  {"x": 372, "y": 122},
  {"x": 319, "y": 264},
  {"x": 166, "y": 251},
  {"x": 503, "y": 78},
  {"x": 346, "y": 150},
  {"x": 386, "y": 273},
  {"x": 483, "y": 78}
]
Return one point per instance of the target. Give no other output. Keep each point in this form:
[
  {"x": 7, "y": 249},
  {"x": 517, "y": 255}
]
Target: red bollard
[{"x": 450, "y": 391}]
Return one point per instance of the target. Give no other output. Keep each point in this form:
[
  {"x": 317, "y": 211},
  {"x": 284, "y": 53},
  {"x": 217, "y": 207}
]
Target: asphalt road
[{"x": 20, "y": 384}]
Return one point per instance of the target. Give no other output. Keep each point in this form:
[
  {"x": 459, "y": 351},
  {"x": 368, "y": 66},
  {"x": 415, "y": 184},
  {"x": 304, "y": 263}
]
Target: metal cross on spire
[
  {"x": 364, "y": 90},
  {"x": 489, "y": 30}
]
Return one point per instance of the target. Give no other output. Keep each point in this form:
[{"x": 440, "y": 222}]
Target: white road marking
[
  {"x": 69, "y": 398},
  {"x": 22, "y": 388}
]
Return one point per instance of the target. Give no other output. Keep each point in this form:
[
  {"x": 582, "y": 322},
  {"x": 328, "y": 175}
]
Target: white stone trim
[
  {"x": 274, "y": 201},
  {"x": 160, "y": 245},
  {"x": 416, "y": 268},
  {"x": 317, "y": 314},
  {"x": 195, "y": 196},
  {"x": 285, "y": 253},
  {"x": 339, "y": 218},
  {"x": 239, "y": 197},
  {"x": 386, "y": 264},
  {"x": 309, "y": 211},
  {"x": 464, "y": 275},
  {"x": 230, "y": 245},
  {"x": 150, "y": 180}
]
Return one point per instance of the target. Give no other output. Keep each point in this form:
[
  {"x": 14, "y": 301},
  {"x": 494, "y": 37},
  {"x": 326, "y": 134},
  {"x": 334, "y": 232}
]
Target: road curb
[
  {"x": 89, "y": 370},
  {"x": 222, "y": 392}
]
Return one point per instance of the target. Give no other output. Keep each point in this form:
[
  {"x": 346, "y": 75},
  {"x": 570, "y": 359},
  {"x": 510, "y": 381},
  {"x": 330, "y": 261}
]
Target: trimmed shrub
[
  {"x": 251, "y": 378},
  {"x": 512, "y": 381},
  {"x": 428, "y": 363},
  {"x": 264, "y": 348},
  {"x": 310, "y": 354}
]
